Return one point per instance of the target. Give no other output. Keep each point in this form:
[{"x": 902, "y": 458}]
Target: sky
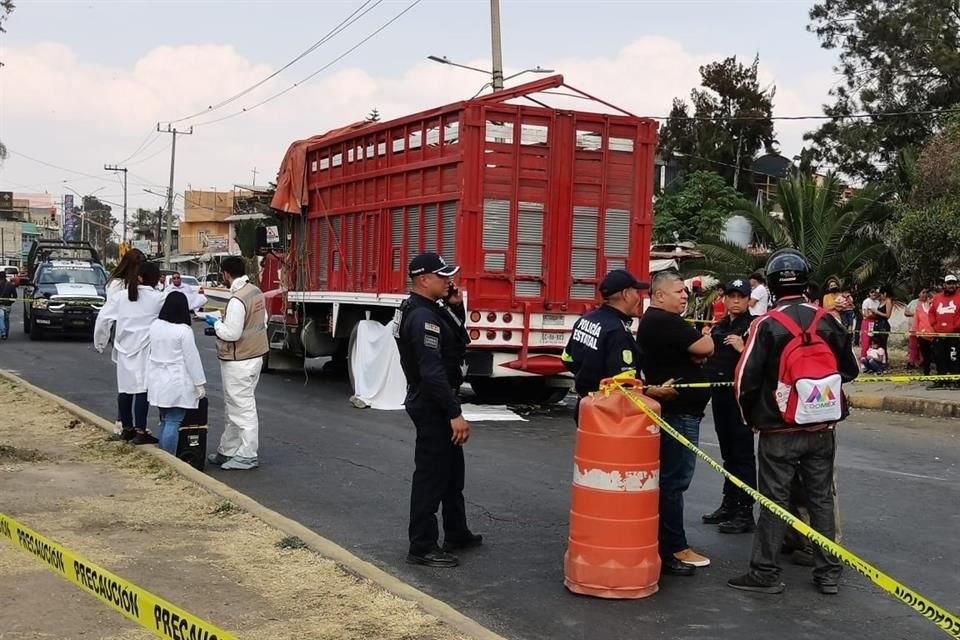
[{"x": 84, "y": 83}]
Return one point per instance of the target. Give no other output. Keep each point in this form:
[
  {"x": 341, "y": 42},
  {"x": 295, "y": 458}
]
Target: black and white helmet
[{"x": 788, "y": 272}]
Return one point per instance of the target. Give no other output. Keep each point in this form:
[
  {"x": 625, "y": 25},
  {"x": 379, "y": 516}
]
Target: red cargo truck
[{"x": 535, "y": 203}]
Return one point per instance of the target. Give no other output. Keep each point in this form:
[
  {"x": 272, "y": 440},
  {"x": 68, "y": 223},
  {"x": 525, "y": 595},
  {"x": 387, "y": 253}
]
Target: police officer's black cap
[
  {"x": 618, "y": 280},
  {"x": 431, "y": 263},
  {"x": 738, "y": 285}
]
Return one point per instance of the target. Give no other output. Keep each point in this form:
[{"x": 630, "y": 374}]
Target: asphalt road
[{"x": 345, "y": 473}]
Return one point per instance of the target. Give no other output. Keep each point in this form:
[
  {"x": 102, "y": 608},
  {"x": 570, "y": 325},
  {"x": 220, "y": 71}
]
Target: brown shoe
[{"x": 689, "y": 556}]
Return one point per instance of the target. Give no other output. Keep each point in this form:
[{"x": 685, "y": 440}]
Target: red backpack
[{"x": 809, "y": 385}]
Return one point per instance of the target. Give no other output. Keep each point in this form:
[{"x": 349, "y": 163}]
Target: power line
[
  {"x": 344, "y": 24},
  {"x": 317, "y": 72},
  {"x": 54, "y": 166},
  {"x": 152, "y": 136},
  {"x": 151, "y": 156},
  {"x": 850, "y": 116}
]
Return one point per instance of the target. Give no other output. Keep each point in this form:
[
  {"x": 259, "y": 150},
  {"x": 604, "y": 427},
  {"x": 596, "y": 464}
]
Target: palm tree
[{"x": 842, "y": 239}]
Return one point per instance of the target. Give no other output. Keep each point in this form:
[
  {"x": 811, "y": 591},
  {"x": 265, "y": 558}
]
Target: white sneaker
[{"x": 240, "y": 464}]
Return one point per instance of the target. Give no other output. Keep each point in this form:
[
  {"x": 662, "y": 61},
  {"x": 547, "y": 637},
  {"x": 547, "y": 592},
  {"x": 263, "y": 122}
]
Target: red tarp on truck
[{"x": 291, "y": 193}]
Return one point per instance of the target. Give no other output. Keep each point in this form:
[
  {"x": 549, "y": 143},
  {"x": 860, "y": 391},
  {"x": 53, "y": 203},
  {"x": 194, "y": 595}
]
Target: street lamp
[{"x": 445, "y": 60}]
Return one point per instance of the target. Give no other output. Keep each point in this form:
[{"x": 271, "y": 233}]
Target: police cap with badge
[{"x": 431, "y": 263}]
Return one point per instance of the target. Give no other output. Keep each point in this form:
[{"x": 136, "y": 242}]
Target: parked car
[{"x": 64, "y": 290}]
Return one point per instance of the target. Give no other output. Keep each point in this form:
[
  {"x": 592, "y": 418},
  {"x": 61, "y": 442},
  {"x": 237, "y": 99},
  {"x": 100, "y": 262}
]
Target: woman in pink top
[{"x": 923, "y": 328}]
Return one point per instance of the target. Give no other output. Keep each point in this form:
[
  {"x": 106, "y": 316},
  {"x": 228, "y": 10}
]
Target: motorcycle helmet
[{"x": 788, "y": 272}]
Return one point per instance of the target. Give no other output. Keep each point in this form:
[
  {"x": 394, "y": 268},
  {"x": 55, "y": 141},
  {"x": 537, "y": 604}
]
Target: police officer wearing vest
[
  {"x": 735, "y": 514},
  {"x": 241, "y": 345},
  {"x": 784, "y": 450},
  {"x": 431, "y": 354}
]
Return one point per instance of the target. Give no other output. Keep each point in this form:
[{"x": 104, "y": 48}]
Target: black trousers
[
  {"x": 942, "y": 350},
  {"x": 736, "y": 445},
  {"x": 437, "y": 480},
  {"x": 780, "y": 456},
  {"x": 133, "y": 409},
  {"x": 926, "y": 352}
]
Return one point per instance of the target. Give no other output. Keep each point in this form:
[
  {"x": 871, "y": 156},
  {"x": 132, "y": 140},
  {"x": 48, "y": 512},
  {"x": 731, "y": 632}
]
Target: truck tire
[{"x": 36, "y": 333}]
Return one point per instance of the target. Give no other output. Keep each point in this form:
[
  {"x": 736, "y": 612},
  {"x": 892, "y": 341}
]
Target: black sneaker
[
  {"x": 125, "y": 436},
  {"x": 827, "y": 586},
  {"x": 747, "y": 582},
  {"x": 723, "y": 513},
  {"x": 673, "y": 567},
  {"x": 803, "y": 557},
  {"x": 458, "y": 544},
  {"x": 437, "y": 558},
  {"x": 144, "y": 438},
  {"x": 741, "y": 522}
]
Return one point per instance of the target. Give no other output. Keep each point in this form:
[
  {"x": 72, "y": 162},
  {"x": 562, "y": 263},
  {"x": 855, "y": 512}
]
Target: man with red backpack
[{"x": 788, "y": 384}]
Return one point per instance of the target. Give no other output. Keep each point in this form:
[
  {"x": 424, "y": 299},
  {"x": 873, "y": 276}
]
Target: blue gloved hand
[{"x": 210, "y": 320}]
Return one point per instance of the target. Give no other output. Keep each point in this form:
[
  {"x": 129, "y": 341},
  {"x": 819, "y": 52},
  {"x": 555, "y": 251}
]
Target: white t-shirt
[
  {"x": 871, "y": 304},
  {"x": 762, "y": 296}
]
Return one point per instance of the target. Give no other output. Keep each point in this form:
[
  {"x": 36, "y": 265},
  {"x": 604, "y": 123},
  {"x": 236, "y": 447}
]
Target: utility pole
[
  {"x": 497, "y": 80},
  {"x": 168, "y": 237},
  {"x": 115, "y": 169},
  {"x": 255, "y": 172}
]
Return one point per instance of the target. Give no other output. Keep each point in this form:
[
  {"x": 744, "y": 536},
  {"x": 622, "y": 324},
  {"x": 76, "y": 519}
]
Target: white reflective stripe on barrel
[{"x": 629, "y": 481}]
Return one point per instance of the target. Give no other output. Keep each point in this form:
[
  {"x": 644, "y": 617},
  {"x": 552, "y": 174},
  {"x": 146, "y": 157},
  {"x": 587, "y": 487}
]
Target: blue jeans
[
  {"x": 676, "y": 471},
  {"x": 170, "y": 420},
  {"x": 5, "y": 316}
]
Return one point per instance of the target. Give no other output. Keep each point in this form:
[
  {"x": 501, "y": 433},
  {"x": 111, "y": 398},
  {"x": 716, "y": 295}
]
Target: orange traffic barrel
[{"x": 614, "y": 511}]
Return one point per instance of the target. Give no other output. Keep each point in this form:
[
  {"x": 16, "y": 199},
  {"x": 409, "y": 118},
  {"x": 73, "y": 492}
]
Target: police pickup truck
[{"x": 64, "y": 290}]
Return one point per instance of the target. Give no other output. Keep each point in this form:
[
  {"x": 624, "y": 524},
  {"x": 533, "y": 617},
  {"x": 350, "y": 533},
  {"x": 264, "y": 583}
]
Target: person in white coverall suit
[{"x": 241, "y": 345}]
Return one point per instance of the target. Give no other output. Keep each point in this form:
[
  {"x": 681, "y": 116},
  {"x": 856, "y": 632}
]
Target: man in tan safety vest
[{"x": 241, "y": 345}]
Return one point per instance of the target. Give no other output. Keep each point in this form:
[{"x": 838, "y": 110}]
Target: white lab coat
[
  {"x": 132, "y": 336},
  {"x": 174, "y": 370},
  {"x": 195, "y": 299}
]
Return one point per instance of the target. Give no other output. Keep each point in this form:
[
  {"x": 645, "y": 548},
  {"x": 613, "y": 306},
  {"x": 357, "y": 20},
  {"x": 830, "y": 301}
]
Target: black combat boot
[{"x": 724, "y": 512}]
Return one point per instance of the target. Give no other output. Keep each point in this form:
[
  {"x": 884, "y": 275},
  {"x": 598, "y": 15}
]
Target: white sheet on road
[
  {"x": 378, "y": 380},
  {"x": 489, "y": 413}
]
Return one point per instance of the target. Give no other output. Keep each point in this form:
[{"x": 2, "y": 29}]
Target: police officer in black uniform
[
  {"x": 431, "y": 354},
  {"x": 735, "y": 514},
  {"x": 601, "y": 344}
]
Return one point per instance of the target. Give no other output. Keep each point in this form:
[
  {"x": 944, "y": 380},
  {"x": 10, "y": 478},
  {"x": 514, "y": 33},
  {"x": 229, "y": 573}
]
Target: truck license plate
[
  {"x": 554, "y": 338},
  {"x": 552, "y": 320}
]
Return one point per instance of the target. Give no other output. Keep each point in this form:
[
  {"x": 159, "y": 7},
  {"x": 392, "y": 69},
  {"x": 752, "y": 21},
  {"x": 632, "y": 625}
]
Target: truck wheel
[{"x": 36, "y": 333}]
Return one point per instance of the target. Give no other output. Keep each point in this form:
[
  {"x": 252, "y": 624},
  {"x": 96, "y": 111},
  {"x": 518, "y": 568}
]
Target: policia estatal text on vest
[
  {"x": 601, "y": 344},
  {"x": 431, "y": 354}
]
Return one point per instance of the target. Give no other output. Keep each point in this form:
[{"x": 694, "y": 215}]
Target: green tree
[
  {"x": 373, "y": 116},
  {"x": 842, "y": 239},
  {"x": 928, "y": 231},
  {"x": 245, "y": 231},
  {"x": 697, "y": 210},
  {"x": 895, "y": 56},
  {"x": 729, "y": 125}
]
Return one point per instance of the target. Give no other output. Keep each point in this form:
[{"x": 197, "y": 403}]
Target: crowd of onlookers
[{"x": 932, "y": 336}]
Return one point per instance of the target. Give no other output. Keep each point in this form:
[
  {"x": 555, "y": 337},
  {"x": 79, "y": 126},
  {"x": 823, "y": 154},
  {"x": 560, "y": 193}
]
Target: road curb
[
  {"x": 326, "y": 548},
  {"x": 906, "y": 404}
]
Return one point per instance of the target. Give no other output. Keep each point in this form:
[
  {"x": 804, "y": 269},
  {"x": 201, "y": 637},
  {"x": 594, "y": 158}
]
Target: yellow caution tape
[
  {"x": 953, "y": 377},
  {"x": 156, "y": 615},
  {"x": 945, "y": 620}
]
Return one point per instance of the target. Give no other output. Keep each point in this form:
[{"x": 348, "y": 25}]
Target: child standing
[{"x": 174, "y": 374}]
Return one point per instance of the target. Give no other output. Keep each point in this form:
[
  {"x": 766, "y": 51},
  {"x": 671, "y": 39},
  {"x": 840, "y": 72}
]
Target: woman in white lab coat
[
  {"x": 126, "y": 272},
  {"x": 174, "y": 372},
  {"x": 132, "y": 311}
]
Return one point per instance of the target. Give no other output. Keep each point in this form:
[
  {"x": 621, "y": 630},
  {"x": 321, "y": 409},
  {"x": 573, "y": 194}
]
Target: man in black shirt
[
  {"x": 430, "y": 353},
  {"x": 673, "y": 349},
  {"x": 735, "y": 514}
]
